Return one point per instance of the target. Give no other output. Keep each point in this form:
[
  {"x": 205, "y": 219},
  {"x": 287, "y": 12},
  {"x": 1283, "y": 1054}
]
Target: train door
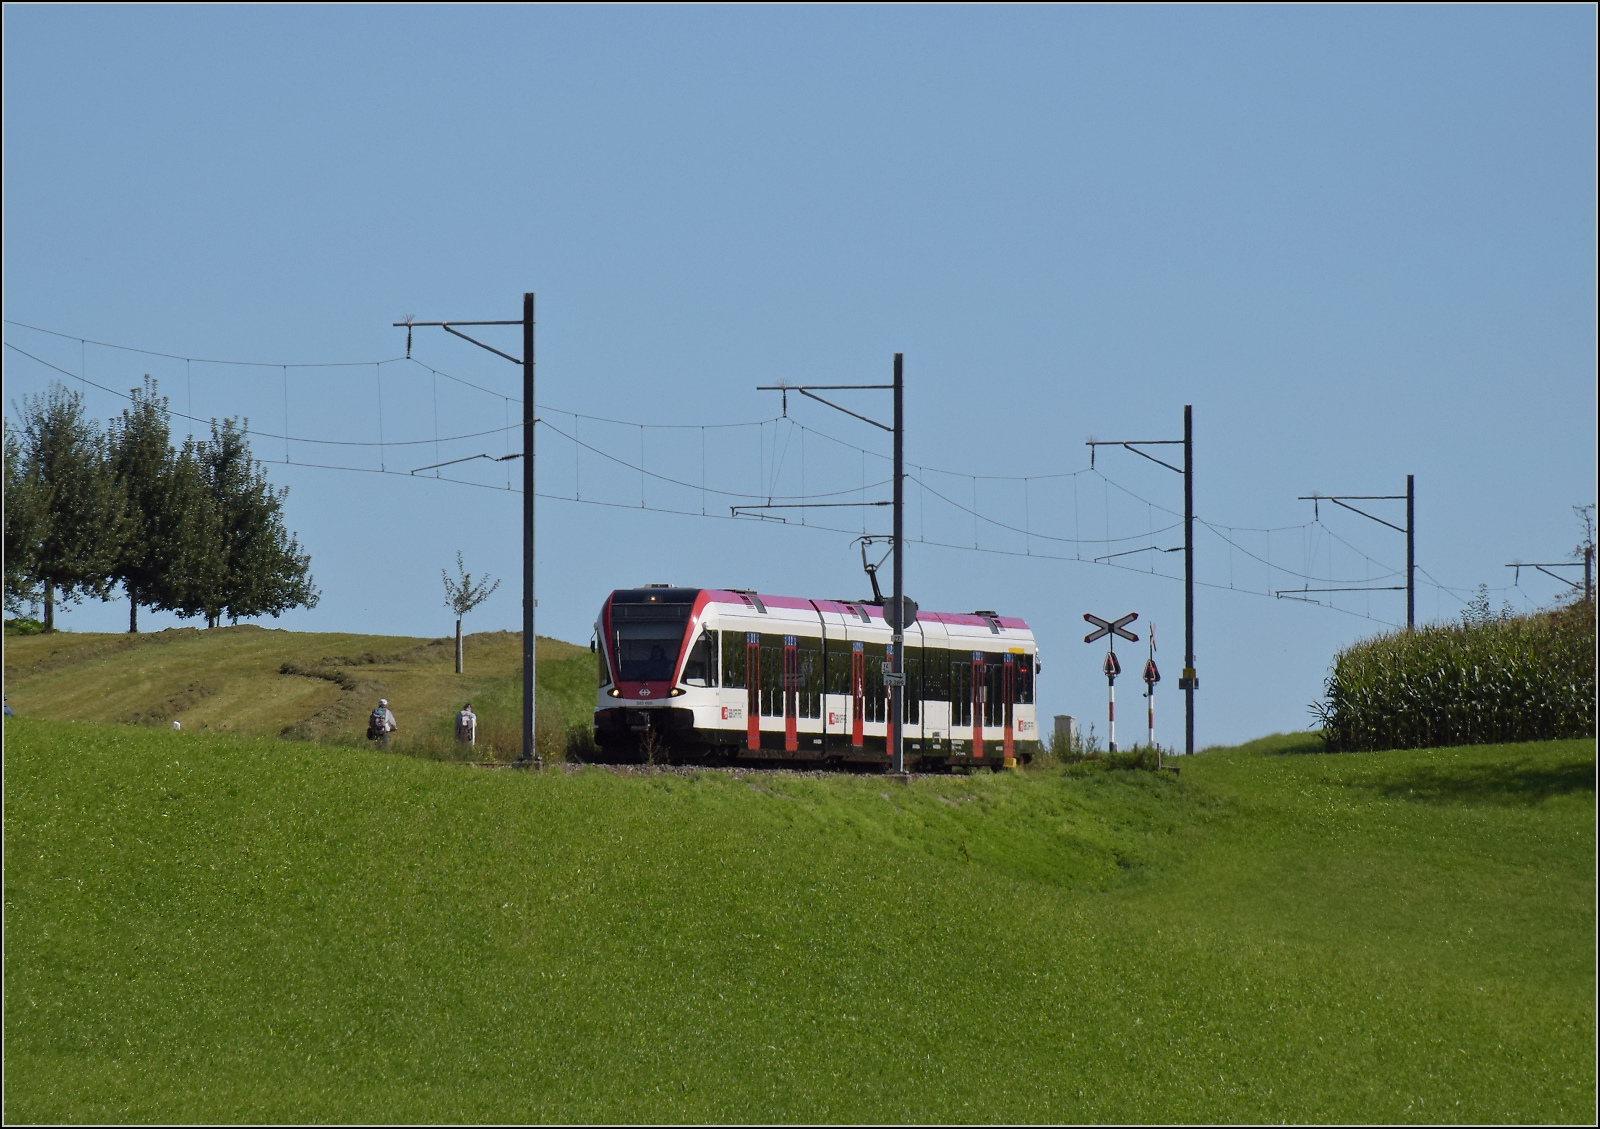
[
  {"x": 791, "y": 693},
  {"x": 934, "y": 707},
  {"x": 753, "y": 688},
  {"x": 858, "y": 696},
  {"x": 980, "y": 687}
]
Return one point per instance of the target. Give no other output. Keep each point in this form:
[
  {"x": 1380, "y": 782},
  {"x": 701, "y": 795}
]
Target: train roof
[{"x": 747, "y": 598}]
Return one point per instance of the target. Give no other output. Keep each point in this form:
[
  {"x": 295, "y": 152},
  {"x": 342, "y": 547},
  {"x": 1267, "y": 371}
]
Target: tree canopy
[{"x": 197, "y": 530}]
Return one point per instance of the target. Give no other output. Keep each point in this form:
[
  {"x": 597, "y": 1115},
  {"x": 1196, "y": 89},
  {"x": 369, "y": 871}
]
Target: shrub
[{"x": 1487, "y": 679}]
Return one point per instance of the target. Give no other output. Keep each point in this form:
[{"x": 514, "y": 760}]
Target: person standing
[
  {"x": 381, "y": 723},
  {"x": 467, "y": 726}
]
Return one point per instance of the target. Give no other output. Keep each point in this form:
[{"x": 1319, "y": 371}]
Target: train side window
[
  {"x": 960, "y": 687},
  {"x": 838, "y": 664},
  {"x": 935, "y": 674},
  {"x": 733, "y": 660},
  {"x": 700, "y": 669},
  {"x": 809, "y": 701},
  {"x": 771, "y": 658},
  {"x": 993, "y": 691}
]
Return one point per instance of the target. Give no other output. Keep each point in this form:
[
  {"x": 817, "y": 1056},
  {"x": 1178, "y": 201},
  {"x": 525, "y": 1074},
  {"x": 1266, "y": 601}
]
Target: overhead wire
[{"x": 767, "y": 483}]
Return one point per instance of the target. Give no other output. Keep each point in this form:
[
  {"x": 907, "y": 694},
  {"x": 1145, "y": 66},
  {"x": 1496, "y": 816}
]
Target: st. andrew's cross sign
[
  {"x": 1104, "y": 627},
  {"x": 1113, "y": 628}
]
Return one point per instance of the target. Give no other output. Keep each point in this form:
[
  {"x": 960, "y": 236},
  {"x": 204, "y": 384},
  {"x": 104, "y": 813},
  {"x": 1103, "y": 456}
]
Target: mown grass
[
  {"x": 204, "y": 927},
  {"x": 303, "y": 685}
]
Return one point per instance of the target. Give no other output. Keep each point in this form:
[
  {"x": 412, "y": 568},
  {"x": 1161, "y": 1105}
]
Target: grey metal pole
[
  {"x": 529, "y": 656},
  {"x": 1411, "y": 552},
  {"x": 897, "y": 754},
  {"x": 1190, "y": 681}
]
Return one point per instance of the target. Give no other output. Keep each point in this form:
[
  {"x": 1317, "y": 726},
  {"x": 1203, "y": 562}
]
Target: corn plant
[{"x": 1487, "y": 679}]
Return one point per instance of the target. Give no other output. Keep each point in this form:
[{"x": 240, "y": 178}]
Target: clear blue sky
[{"x": 1359, "y": 240}]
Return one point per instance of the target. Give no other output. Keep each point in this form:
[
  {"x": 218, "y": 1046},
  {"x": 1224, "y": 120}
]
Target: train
[{"x": 731, "y": 675}]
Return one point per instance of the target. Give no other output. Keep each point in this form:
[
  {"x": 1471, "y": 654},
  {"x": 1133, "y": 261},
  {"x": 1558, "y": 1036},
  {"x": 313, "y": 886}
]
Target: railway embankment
[{"x": 206, "y": 926}]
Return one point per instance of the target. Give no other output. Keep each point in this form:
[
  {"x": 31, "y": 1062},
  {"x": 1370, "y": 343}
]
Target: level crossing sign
[
  {"x": 1111, "y": 667},
  {"x": 1104, "y": 627}
]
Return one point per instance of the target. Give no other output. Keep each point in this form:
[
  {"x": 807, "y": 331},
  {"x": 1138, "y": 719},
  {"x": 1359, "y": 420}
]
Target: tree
[
  {"x": 143, "y": 461},
  {"x": 25, "y": 506},
  {"x": 197, "y": 561},
  {"x": 84, "y": 514},
  {"x": 462, "y": 596},
  {"x": 257, "y": 567}
]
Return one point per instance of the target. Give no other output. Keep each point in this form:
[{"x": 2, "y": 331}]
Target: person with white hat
[
  {"x": 381, "y": 723},
  {"x": 467, "y": 725}
]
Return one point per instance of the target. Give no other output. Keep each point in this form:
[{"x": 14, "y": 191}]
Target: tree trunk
[
  {"x": 458, "y": 645},
  {"x": 49, "y": 606},
  {"x": 133, "y": 612}
]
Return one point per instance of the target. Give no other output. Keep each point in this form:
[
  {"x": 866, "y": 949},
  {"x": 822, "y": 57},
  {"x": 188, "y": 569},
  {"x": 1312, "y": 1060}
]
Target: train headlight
[
  {"x": 615, "y": 693},
  {"x": 675, "y": 691}
]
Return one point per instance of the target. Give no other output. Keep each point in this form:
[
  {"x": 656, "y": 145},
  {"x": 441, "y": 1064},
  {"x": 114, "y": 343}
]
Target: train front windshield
[{"x": 646, "y": 640}]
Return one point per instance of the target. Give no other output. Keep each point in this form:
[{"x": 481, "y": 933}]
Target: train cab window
[
  {"x": 701, "y": 667},
  {"x": 1025, "y": 680},
  {"x": 647, "y": 640}
]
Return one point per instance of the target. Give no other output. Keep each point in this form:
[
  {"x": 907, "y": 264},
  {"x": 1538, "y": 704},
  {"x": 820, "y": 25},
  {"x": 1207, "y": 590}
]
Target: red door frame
[
  {"x": 888, "y": 702},
  {"x": 1008, "y": 688},
  {"x": 752, "y": 681},
  {"x": 791, "y": 692},
  {"x": 858, "y": 697}
]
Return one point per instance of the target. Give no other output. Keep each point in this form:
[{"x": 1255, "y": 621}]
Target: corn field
[{"x": 1515, "y": 678}]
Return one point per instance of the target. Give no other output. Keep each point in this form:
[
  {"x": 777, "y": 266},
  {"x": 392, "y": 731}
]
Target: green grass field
[{"x": 218, "y": 927}]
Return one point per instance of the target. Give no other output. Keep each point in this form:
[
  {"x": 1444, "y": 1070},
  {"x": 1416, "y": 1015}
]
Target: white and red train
[{"x": 698, "y": 672}]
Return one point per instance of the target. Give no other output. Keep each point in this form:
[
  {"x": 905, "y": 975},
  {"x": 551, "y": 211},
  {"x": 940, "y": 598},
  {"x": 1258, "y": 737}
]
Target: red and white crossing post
[
  {"x": 1151, "y": 677},
  {"x": 1112, "y": 668}
]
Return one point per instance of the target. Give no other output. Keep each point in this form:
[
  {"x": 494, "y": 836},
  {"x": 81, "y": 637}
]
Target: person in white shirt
[{"x": 467, "y": 725}]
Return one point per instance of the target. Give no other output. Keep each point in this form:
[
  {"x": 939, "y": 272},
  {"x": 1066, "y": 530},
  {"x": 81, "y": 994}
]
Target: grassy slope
[
  {"x": 231, "y": 680},
  {"x": 213, "y": 927}
]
